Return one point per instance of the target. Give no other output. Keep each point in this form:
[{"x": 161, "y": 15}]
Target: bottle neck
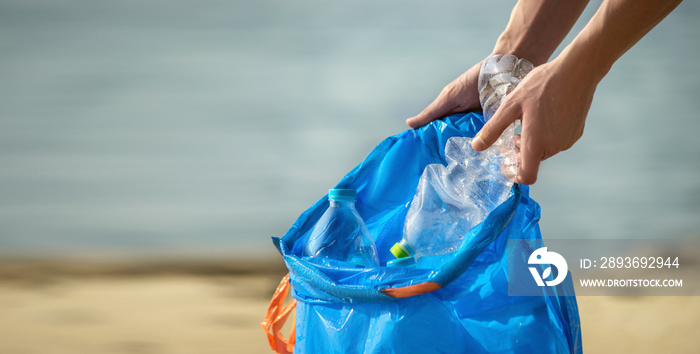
[{"x": 342, "y": 204}]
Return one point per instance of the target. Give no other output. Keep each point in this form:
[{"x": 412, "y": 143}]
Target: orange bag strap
[
  {"x": 411, "y": 290},
  {"x": 276, "y": 317}
]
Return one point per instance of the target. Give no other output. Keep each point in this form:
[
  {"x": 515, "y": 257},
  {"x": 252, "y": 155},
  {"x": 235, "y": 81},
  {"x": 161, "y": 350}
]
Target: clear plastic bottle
[
  {"x": 451, "y": 200},
  {"x": 341, "y": 234}
]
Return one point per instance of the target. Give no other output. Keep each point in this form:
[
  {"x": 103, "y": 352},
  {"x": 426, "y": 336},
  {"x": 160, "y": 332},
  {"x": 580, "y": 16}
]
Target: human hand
[
  {"x": 461, "y": 95},
  {"x": 552, "y": 102}
]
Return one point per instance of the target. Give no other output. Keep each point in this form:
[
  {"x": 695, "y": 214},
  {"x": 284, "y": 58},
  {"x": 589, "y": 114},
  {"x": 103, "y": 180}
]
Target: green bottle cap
[{"x": 398, "y": 251}]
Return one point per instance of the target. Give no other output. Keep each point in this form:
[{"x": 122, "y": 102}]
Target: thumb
[{"x": 492, "y": 130}]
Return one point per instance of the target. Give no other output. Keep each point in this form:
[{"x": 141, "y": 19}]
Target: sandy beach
[{"x": 215, "y": 307}]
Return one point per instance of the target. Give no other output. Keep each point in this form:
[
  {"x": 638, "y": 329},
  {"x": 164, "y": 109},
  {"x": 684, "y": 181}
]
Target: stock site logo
[{"x": 542, "y": 256}]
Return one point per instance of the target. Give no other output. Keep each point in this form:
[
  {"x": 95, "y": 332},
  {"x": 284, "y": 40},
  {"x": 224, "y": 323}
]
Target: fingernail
[{"x": 477, "y": 143}]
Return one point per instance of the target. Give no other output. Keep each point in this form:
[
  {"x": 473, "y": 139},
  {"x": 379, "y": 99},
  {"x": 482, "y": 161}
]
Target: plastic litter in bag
[
  {"x": 460, "y": 305},
  {"x": 451, "y": 200}
]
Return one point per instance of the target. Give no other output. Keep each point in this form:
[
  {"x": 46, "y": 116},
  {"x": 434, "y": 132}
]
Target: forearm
[
  {"x": 537, "y": 27},
  {"x": 614, "y": 29}
]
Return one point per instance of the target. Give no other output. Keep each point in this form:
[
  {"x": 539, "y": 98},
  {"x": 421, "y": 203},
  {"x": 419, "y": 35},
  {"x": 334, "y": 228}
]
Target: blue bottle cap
[
  {"x": 401, "y": 262},
  {"x": 347, "y": 195}
]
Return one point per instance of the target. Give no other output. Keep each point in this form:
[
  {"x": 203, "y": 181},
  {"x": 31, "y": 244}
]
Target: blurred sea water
[{"x": 183, "y": 127}]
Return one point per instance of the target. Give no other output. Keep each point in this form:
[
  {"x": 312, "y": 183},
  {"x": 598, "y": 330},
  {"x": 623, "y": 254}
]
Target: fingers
[
  {"x": 530, "y": 158},
  {"x": 527, "y": 172},
  {"x": 492, "y": 130},
  {"x": 436, "y": 110},
  {"x": 461, "y": 95},
  {"x": 516, "y": 141}
]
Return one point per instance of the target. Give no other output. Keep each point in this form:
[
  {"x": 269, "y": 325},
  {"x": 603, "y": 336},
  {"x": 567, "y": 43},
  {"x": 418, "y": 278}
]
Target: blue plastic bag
[{"x": 451, "y": 304}]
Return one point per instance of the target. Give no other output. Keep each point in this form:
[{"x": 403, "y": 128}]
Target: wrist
[
  {"x": 536, "y": 28},
  {"x": 583, "y": 58},
  {"x": 518, "y": 46}
]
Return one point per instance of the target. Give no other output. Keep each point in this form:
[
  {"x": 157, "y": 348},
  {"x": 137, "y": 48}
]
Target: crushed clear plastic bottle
[
  {"x": 450, "y": 201},
  {"x": 341, "y": 234},
  {"x": 499, "y": 75}
]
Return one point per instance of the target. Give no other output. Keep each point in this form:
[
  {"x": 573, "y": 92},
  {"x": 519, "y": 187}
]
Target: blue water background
[{"x": 197, "y": 127}]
